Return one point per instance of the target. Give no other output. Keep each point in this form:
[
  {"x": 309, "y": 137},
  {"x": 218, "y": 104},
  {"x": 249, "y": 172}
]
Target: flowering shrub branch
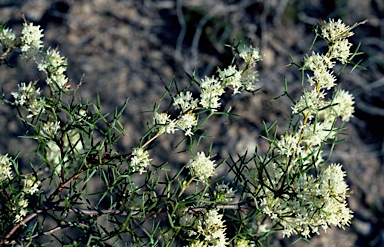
[{"x": 290, "y": 188}]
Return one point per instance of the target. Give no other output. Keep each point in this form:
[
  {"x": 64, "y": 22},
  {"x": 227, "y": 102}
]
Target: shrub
[{"x": 291, "y": 188}]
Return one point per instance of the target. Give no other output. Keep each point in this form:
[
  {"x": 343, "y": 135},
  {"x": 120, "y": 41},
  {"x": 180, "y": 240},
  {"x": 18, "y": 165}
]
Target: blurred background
[{"x": 128, "y": 49}]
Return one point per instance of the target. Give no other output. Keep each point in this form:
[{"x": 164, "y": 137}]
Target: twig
[
  {"x": 34, "y": 214},
  {"x": 371, "y": 109},
  {"x": 198, "y": 32},
  {"x": 21, "y": 223},
  {"x": 247, "y": 204},
  {"x": 5, "y": 54},
  {"x": 35, "y": 235},
  {"x": 62, "y": 186},
  {"x": 365, "y": 88},
  {"x": 93, "y": 211},
  {"x": 180, "y": 38}
]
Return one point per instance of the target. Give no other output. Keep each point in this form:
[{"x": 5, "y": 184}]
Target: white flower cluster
[
  {"x": 51, "y": 63},
  {"x": 49, "y": 129},
  {"x": 212, "y": 89},
  {"x": 187, "y": 119},
  {"x": 310, "y": 203},
  {"x": 135, "y": 199},
  {"x": 316, "y": 195},
  {"x": 54, "y": 66},
  {"x": 319, "y": 114},
  {"x": 30, "y": 187},
  {"x": 165, "y": 123},
  {"x": 237, "y": 79},
  {"x": 31, "y": 40},
  {"x": 250, "y": 54},
  {"x": 242, "y": 243},
  {"x": 140, "y": 160},
  {"x": 249, "y": 75},
  {"x": 185, "y": 102},
  {"x": 186, "y": 122},
  {"x": 29, "y": 97},
  {"x": 19, "y": 204},
  {"x": 211, "y": 228},
  {"x": 224, "y": 193},
  {"x": 343, "y": 105},
  {"x": 7, "y": 37},
  {"x": 201, "y": 167},
  {"x": 231, "y": 77},
  {"x": 335, "y": 31},
  {"x": 5, "y": 168},
  {"x": 20, "y": 208},
  {"x": 187, "y": 220}
]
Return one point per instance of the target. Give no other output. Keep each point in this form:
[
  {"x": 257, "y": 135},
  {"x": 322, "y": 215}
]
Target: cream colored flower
[
  {"x": 211, "y": 226},
  {"x": 344, "y": 102},
  {"x": 224, "y": 193},
  {"x": 241, "y": 243},
  {"x": 49, "y": 129},
  {"x": 185, "y": 102},
  {"x": 187, "y": 122},
  {"x": 333, "y": 31},
  {"x": 31, "y": 185},
  {"x": 231, "y": 77},
  {"x": 140, "y": 160},
  {"x": 186, "y": 220},
  {"x": 5, "y": 168},
  {"x": 31, "y": 40},
  {"x": 7, "y": 37},
  {"x": 201, "y": 167},
  {"x": 29, "y": 97},
  {"x": 250, "y": 54}
]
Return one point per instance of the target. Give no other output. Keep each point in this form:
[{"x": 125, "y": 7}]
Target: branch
[
  {"x": 247, "y": 204},
  {"x": 34, "y": 236},
  {"x": 93, "y": 211},
  {"x": 21, "y": 223},
  {"x": 62, "y": 185},
  {"x": 5, "y": 54}
]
